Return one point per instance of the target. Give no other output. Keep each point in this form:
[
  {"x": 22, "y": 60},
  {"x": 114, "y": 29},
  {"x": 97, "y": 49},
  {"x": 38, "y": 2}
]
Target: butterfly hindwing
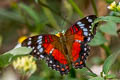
[{"x": 48, "y": 47}]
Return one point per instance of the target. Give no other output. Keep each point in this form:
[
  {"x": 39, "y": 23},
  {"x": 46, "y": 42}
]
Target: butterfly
[{"x": 66, "y": 51}]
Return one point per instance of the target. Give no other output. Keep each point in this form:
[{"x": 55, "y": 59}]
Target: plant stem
[
  {"x": 94, "y": 7},
  {"x": 46, "y": 6},
  {"x": 90, "y": 70},
  {"x": 76, "y": 8},
  {"x": 72, "y": 73},
  {"x": 107, "y": 49}
]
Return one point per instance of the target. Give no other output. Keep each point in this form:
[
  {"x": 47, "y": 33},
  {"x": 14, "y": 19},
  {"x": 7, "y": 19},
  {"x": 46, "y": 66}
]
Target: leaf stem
[{"x": 90, "y": 70}]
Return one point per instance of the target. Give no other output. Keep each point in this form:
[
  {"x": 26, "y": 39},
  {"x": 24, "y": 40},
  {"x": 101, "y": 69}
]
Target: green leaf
[
  {"x": 50, "y": 16},
  {"x": 36, "y": 78},
  {"x": 109, "y": 1},
  {"x": 106, "y": 18},
  {"x": 96, "y": 78},
  {"x": 98, "y": 39},
  {"x": 109, "y": 61},
  {"x": 110, "y": 76},
  {"x": 34, "y": 15},
  {"x": 97, "y": 60},
  {"x": 110, "y": 28},
  {"x": 11, "y": 15},
  {"x": 30, "y": 12},
  {"x": 5, "y": 59},
  {"x": 91, "y": 74},
  {"x": 113, "y": 13},
  {"x": 20, "y": 51}
]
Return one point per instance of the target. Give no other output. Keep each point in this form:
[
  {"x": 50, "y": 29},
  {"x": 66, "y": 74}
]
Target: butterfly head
[{"x": 59, "y": 34}]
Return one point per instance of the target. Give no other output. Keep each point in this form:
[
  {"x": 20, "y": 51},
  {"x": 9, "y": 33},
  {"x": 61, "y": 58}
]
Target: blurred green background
[{"x": 30, "y": 17}]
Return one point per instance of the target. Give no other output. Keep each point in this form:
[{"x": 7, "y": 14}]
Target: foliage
[{"x": 9, "y": 56}]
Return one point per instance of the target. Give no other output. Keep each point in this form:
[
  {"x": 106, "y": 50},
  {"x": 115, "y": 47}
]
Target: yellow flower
[
  {"x": 25, "y": 64},
  {"x": 112, "y": 6}
]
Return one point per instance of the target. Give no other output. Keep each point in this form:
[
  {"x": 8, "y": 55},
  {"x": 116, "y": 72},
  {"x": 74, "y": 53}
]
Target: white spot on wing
[
  {"x": 89, "y": 34},
  {"x": 79, "y": 41},
  {"x": 87, "y": 17},
  {"x": 86, "y": 33},
  {"x": 88, "y": 38},
  {"x": 54, "y": 65},
  {"x": 90, "y": 27},
  {"x": 90, "y": 30},
  {"x": 29, "y": 38},
  {"x": 79, "y": 23},
  {"x": 89, "y": 20},
  {"x": 50, "y": 61},
  {"x": 34, "y": 51},
  {"x": 40, "y": 42},
  {"x": 29, "y": 42},
  {"x": 85, "y": 49},
  {"x": 82, "y": 25},
  {"x": 41, "y": 56},
  {"x": 85, "y": 29},
  {"x": 41, "y": 50},
  {"x": 38, "y": 53},
  {"x": 51, "y": 50},
  {"x": 39, "y": 37},
  {"x": 33, "y": 47},
  {"x": 39, "y": 46},
  {"x": 84, "y": 54}
]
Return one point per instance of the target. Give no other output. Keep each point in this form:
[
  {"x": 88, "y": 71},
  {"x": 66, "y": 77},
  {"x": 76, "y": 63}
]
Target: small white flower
[{"x": 112, "y": 6}]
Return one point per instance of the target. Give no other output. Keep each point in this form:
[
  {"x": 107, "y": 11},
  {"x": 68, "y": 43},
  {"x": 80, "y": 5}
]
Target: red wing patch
[
  {"x": 59, "y": 56},
  {"x": 75, "y": 50}
]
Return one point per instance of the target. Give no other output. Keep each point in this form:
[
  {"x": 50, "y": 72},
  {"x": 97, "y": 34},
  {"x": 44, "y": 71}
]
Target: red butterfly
[{"x": 66, "y": 51}]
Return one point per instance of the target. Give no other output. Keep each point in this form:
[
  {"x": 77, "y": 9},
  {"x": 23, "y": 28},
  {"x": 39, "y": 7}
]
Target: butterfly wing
[
  {"x": 48, "y": 47},
  {"x": 77, "y": 37}
]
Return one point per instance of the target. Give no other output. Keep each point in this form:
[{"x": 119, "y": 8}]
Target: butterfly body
[{"x": 66, "y": 50}]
